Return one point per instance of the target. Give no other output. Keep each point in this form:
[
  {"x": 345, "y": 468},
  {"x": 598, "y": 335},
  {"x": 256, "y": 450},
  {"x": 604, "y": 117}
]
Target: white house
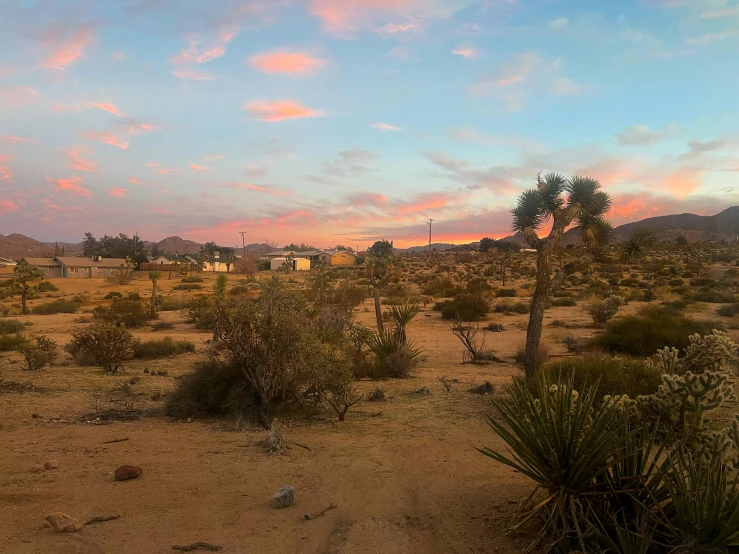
[
  {"x": 298, "y": 264},
  {"x": 162, "y": 260}
]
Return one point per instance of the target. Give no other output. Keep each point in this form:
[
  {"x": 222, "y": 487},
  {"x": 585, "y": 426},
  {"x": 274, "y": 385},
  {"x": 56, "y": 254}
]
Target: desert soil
[{"x": 404, "y": 473}]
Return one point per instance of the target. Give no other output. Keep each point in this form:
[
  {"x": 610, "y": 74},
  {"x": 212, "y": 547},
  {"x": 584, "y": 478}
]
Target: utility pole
[
  {"x": 430, "y": 221},
  {"x": 243, "y": 241}
]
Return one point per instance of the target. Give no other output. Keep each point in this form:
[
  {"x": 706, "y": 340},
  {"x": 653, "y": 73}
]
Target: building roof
[
  {"x": 42, "y": 262},
  {"x": 7, "y": 261},
  {"x": 86, "y": 262},
  {"x": 307, "y": 253}
]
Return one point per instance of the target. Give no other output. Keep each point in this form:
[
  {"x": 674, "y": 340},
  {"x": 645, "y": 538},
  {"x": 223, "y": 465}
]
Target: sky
[{"x": 346, "y": 121}]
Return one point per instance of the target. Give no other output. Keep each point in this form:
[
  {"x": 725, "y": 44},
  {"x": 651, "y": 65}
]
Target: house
[
  {"x": 298, "y": 264},
  {"x": 161, "y": 260},
  {"x": 528, "y": 251},
  {"x": 77, "y": 268},
  {"x": 6, "y": 265},
  {"x": 316, "y": 257}
]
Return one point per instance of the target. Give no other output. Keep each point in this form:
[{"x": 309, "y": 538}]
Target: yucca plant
[
  {"x": 394, "y": 356},
  {"x": 701, "y": 513},
  {"x": 403, "y": 314},
  {"x": 555, "y": 437}
]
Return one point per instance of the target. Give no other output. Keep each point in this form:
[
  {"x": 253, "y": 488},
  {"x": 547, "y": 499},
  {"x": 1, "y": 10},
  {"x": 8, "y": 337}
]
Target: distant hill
[
  {"x": 17, "y": 246},
  {"x": 176, "y": 245}
]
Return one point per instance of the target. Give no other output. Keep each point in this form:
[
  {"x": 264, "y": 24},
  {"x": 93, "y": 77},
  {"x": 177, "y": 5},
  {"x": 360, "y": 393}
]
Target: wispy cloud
[
  {"x": 642, "y": 135},
  {"x": 69, "y": 47},
  {"x": 17, "y": 96},
  {"x": 76, "y": 162},
  {"x": 559, "y": 23},
  {"x": 106, "y": 137},
  {"x": 382, "y": 126},
  {"x": 118, "y": 193},
  {"x": 465, "y": 51},
  {"x": 287, "y": 62},
  {"x": 72, "y": 186},
  {"x": 193, "y": 75},
  {"x": 8, "y": 206},
  {"x": 280, "y": 110},
  {"x": 107, "y": 107},
  {"x": 200, "y": 52},
  {"x": 195, "y": 168}
]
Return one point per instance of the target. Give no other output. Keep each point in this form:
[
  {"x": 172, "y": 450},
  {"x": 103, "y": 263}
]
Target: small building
[
  {"x": 297, "y": 264},
  {"x": 6, "y": 262},
  {"x": 77, "y": 268},
  {"x": 161, "y": 260},
  {"x": 317, "y": 257}
]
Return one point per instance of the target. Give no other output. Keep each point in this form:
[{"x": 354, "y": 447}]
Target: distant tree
[
  {"x": 486, "y": 244},
  {"x": 578, "y": 200},
  {"x": 113, "y": 247},
  {"x": 342, "y": 248},
  {"x": 25, "y": 277},
  {"x": 228, "y": 257},
  {"x": 381, "y": 249},
  {"x": 681, "y": 241},
  {"x": 379, "y": 263},
  {"x": 302, "y": 247},
  {"x": 90, "y": 246}
]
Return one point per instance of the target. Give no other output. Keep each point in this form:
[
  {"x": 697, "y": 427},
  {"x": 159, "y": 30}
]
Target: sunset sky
[{"x": 344, "y": 121}]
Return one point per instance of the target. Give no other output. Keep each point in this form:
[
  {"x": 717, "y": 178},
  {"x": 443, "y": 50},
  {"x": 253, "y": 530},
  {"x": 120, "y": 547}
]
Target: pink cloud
[
  {"x": 380, "y": 126},
  {"x": 69, "y": 50},
  {"x": 465, "y": 52},
  {"x": 392, "y": 29},
  {"x": 13, "y": 138},
  {"x": 280, "y": 110},
  {"x": 198, "y": 168},
  {"x": 8, "y": 206},
  {"x": 5, "y": 173},
  {"x": 106, "y": 137},
  {"x": 211, "y": 157},
  {"x": 682, "y": 183},
  {"x": 152, "y": 164},
  {"x": 257, "y": 188},
  {"x": 72, "y": 185},
  {"x": 18, "y": 96},
  {"x": 106, "y": 107},
  {"x": 170, "y": 172},
  {"x": 199, "y": 54},
  {"x": 118, "y": 193},
  {"x": 193, "y": 75},
  {"x": 295, "y": 64},
  {"x": 79, "y": 164}
]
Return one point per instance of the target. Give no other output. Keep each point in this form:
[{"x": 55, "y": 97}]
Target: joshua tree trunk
[
  {"x": 24, "y": 295},
  {"x": 153, "y": 306},
  {"x": 378, "y": 307},
  {"x": 536, "y": 318}
]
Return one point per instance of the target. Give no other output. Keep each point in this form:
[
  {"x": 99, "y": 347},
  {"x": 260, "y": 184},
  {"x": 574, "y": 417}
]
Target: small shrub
[
  {"x": 561, "y": 302},
  {"x": 107, "y": 344},
  {"x": 642, "y": 335},
  {"x": 171, "y": 304},
  {"x": 161, "y": 348},
  {"x": 192, "y": 279},
  {"x": 11, "y": 326},
  {"x": 730, "y": 310},
  {"x": 161, "y": 326},
  {"x": 395, "y": 357},
  {"x": 188, "y": 287},
  {"x": 39, "y": 353},
  {"x": 129, "y": 310},
  {"x": 46, "y": 286},
  {"x": 12, "y": 342},
  {"x": 112, "y": 295},
  {"x": 506, "y": 293},
  {"x": 602, "y": 311},
  {"x": 376, "y": 395},
  {"x": 509, "y": 307},
  {"x": 487, "y": 388},
  {"x": 467, "y": 307},
  {"x": 58, "y": 306}
]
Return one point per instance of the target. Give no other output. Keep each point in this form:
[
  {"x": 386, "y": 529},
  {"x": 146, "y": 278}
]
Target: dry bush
[
  {"x": 39, "y": 353},
  {"x": 106, "y": 344}
]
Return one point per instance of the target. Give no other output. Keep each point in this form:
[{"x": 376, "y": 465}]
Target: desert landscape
[{"x": 402, "y": 472}]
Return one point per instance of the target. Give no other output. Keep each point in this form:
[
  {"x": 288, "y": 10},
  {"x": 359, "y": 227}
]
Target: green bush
[
  {"x": 609, "y": 375},
  {"x": 506, "y": 293},
  {"x": 171, "y": 303},
  {"x": 192, "y": 279},
  {"x": 642, "y": 335},
  {"x": 47, "y": 286},
  {"x": 112, "y": 295},
  {"x": 58, "y": 306},
  {"x": 11, "y": 326},
  {"x": 39, "y": 353},
  {"x": 12, "y": 342},
  {"x": 713, "y": 297},
  {"x": 467, "y": 307},
  {"x": 130, "y": 311},
  {"x": 560, "y": 302},
  {"x": 439, "y": 287},
  {"x": 106, "y": 344},
  {"x": 730, "y": 310},
  {"x": 510, "y": 307},
  {"x": 188, "y": 287},
  {"x": 161, "y": 348}
]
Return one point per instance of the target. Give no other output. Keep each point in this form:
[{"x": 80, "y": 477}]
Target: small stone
[
  {"x": 124, "y": 473},
  {"x": 189, "y": 420},
  {"x": 37, "y": 468},
  {"x": 53, "y": 464},
  {"x": 35, "y": 416},
  {"x": 511, "y": 501},
  {"x": 284, "y": 497},
  {"x": 63, "y": 523}
]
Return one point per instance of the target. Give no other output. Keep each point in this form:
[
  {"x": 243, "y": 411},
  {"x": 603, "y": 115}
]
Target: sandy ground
[{"x": 404, "y": 473}]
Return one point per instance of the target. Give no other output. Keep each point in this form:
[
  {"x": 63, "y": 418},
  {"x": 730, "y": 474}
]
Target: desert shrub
[
  {"x": 112, "y": 295},
  {"x": 171, "y": 303},
  {"x": 713, "y": 297},
  {"x": 467, "y": 307},
  {"x": 376, "y": 395},
  {"x": 106, "y": 344},
  {"x": 161, "y": 326},
  {"x": 58, "y": 306},
  {"x": 129, "y": 310},
  {"x": 560, "y": 302},
  {"x": 188, "y": 287},
  {"x": 676, "y": 282},
  {"x": 161, "y": 348},
  {"x": 603, "y": 311},
  {"x": 506, "y": 293},
  {"x": 542, "y": 354},
  {"x": 474, "y": 347},
  {"x": 201, "y": 312},
  {"x": 510, "y": 307},
  {"x": 39, "y": 353},
  {"x": 395, "y": 358},
  {"x": 245, "y": 266},
  {"x": 239, "y": 290},
  {"x": 192, "y": 279},
  {"x": 46, "y": 286},
  {"x": 729, "y": 310},
  {"x": 608, "y": 375},
  {"x": 642, "y": 335},
  {"x": 12, "y": 342},
  {"x": 439, "y": 287},
  {"x": 11, "y": 326},
  {"x": 121, "y": 276}
]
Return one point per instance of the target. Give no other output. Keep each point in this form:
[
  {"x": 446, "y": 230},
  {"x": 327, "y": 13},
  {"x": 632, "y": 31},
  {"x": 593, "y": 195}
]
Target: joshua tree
[
  {"x": 634, "y": 247},
  {"x": 578, "y": 200},
  {"x": 24, "y": 277},
  {"x": 379, "y": 262},
  {"x": 154, "y": 276}
]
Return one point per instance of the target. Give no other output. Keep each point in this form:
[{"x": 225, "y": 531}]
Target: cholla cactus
[
  {"x": 624, "y": 404},
  {"x": 692, "y": 386}
]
